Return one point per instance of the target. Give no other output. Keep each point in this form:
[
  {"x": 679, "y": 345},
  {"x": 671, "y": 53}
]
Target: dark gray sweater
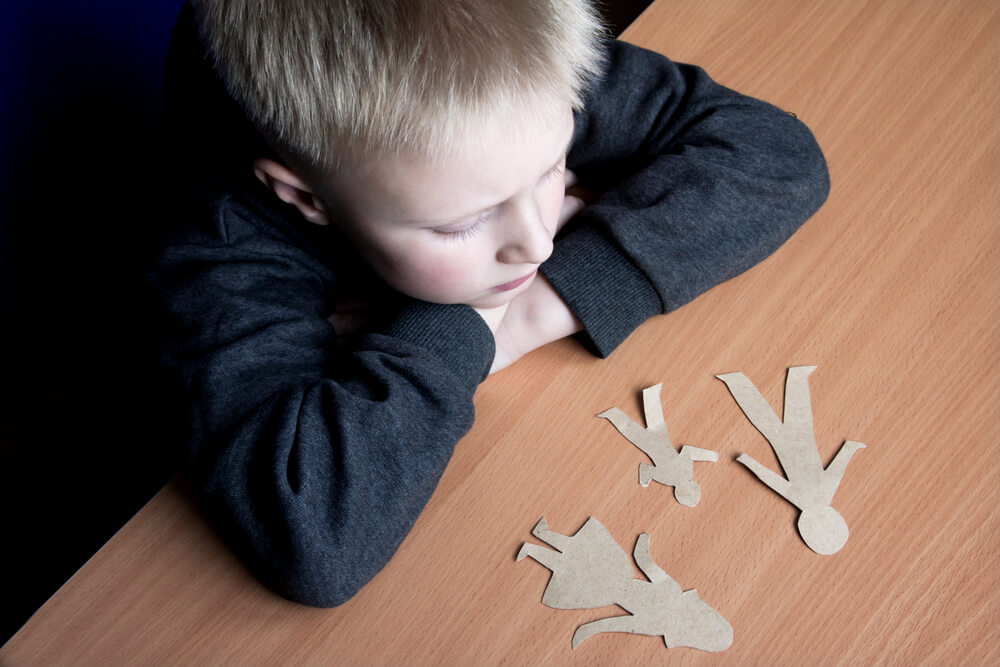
[{"x": 315, "y": 459}]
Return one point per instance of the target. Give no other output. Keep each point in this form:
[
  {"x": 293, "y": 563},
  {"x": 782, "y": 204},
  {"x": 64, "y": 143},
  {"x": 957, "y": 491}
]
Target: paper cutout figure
[
  {"x": 590, "y": 570},
  {"x": 669, "y": 468},
  {"x": 808, "y": 486}
]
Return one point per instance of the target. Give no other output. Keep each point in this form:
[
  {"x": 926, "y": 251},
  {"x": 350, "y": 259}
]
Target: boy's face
[{"x": 469, "y": 228}]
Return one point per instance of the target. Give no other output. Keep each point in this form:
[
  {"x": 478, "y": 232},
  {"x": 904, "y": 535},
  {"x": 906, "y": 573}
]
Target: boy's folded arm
[
  {"x": 314, "y": 461},
  {"x": 697, "y": 183}
]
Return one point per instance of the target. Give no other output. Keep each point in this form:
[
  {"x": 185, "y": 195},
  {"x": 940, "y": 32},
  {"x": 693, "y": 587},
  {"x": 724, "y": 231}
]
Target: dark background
[{"x": 82, "y": 445}]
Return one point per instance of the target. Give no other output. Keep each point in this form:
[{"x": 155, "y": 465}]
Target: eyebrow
[{"x": 447, "y": 221}]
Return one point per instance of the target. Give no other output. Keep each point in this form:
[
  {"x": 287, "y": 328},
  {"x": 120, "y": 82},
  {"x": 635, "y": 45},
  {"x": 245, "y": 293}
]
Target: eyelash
[
  {"x": 470, "y": 231},
  {"x": 464, "y": 233},
  {"x": 555, "y": 171}
]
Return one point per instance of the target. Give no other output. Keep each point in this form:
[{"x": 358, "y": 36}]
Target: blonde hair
[{"x": 322, "y": 78}]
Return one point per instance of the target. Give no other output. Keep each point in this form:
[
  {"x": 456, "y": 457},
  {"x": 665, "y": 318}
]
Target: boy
[{"x": 412, "y": 156}]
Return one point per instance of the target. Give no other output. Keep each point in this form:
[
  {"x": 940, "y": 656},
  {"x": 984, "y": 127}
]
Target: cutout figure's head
[
  {"x": 687, "y": 493},
  {"x": 823, "y": 529},
  {"x": 699, "y": 626}
]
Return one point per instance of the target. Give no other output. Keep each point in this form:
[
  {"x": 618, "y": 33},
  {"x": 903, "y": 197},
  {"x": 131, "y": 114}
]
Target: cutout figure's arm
[
  {"x": 645, "y": 562},
  {"x": 840, "y": 460},
  {"x": 778, "y": 484},
  {"x": 835, "y": 471},
  {"x": 646, "y": 474},
  {"x": 699, "y": 454}
]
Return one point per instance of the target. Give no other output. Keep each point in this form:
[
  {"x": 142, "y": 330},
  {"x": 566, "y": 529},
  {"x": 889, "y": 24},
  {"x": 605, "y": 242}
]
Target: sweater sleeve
[
  {"x": 696, "y": 183},
  {"x": 314, "y": 462}
]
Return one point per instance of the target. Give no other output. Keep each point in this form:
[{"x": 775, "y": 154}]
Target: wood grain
[{"x": 892, "y": 290}]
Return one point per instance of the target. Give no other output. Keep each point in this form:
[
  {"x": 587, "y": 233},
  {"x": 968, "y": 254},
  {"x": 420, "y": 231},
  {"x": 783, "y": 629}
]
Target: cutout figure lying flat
[
  {"x": 808, "y": 486},
  {"x": 590, "y": 570},
  {"x": 670, "y": 467}
]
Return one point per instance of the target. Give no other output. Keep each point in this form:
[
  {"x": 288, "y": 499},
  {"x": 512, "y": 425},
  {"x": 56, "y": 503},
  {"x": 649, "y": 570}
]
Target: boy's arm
[
  {"x": 314, "y": 461},
  {"x": 697, "y": 183}
]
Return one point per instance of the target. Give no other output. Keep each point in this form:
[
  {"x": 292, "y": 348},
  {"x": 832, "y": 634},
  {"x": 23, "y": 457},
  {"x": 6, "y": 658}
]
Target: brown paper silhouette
[
  {"x": 590, "y": 570},
  {"x": 808, "y": 486},
  {"x": 670, "y": 467}
]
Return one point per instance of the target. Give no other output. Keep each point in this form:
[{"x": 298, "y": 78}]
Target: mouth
[{"x": 514, "y": 284}]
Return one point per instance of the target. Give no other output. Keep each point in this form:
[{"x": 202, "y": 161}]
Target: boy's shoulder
[
  {"x": 212, "y": 146},
  {"x": 230, "y": 221}
]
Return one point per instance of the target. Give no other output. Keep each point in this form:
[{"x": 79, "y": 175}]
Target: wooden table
[{"x": 892, "y": 290}]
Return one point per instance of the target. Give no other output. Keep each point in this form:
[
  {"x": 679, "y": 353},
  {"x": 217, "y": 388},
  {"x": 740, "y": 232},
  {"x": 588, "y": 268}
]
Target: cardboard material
[
  {"x": 670, "y": 467},
  {"x": 807, "y": 484},
  {"x": 590, "y": 570}
]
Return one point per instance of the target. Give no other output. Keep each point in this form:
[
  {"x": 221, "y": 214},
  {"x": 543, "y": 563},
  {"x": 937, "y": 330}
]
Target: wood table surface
[{"x": 892, "y": 290}]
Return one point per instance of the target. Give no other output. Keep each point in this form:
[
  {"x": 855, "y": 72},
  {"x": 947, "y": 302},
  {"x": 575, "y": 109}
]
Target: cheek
[
  {"x": 432, "y": 271},
  {"x": 552, "y": 201}
]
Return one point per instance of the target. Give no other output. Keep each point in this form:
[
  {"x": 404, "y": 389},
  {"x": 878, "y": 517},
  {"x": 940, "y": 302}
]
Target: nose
[{"x": 527, "y": 239}]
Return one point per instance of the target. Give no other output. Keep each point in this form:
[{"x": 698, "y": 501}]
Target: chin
[
  {"x": 494, "y": 300},
  {"x": 487, "y": 300}
]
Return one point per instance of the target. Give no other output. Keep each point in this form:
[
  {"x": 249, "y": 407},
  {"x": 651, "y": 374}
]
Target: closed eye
[
  {"x": 555, "y": 172},
  {"x": 468, "y": 231},
  {"x": 463, "y": 233}
]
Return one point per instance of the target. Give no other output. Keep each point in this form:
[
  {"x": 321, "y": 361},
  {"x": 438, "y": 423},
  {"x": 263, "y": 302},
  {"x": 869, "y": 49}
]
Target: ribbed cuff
[
  {"x": 456, "y": 334},
  {"x": 605, "y": 290}
]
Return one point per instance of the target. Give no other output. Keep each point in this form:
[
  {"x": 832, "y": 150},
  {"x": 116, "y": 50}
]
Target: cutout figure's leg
[
  {"x": 699, "y": 454},
  {"x": 652, "y": 408},
  {"x": 778, "y": 484},
  {"x": 798, "y": 415},
  {"x": 753, "y": 405},
  {"x": 550, "y": 537},
  {"x": 612, "y": 624},
  {"x": 543, "y": 555},
  {"x": 625, "y": 425}
]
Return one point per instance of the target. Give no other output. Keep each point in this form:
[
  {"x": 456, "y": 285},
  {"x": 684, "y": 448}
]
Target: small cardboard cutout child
[{"x": 670, "y": 467}]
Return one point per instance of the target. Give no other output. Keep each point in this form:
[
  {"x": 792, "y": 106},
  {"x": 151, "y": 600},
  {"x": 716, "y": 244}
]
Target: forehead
[{"x": 492, "y": 164}]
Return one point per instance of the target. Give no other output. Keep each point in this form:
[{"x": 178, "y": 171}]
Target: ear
[{"x": 291, "y": 189}]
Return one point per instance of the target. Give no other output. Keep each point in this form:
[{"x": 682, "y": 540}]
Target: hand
[
  {"x": 533, "y": 318},
  {"x": 574, "y": 201},
  {"x": 350, "y": 319},
  {"x": 493, "y": 316},
  {"x": 538, "y": 315}
]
